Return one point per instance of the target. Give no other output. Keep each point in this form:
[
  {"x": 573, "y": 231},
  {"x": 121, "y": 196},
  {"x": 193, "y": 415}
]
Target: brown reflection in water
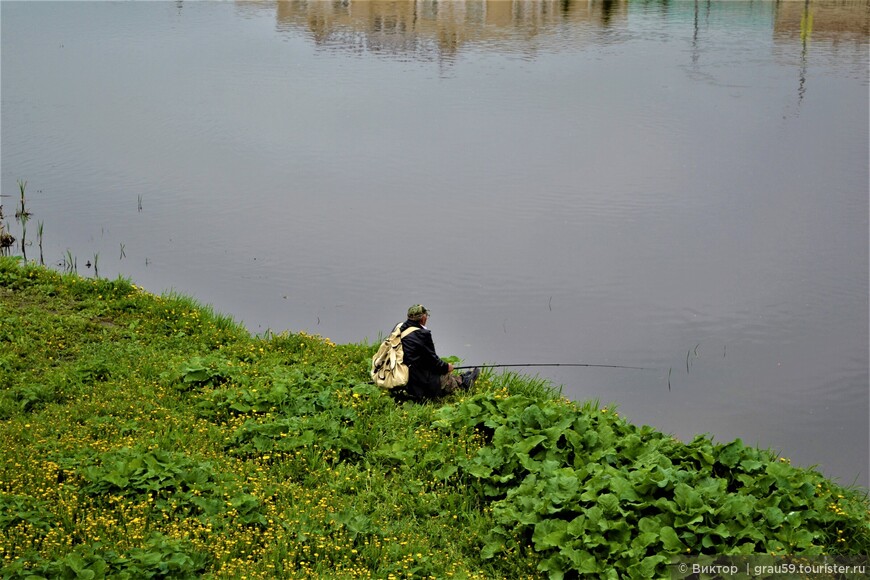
[
  {"x": 439, "y": 28},
  {"x": 436, "y": 27},
  {"x": 834, "y": 20},
  {"x": 843, "y": 24}
]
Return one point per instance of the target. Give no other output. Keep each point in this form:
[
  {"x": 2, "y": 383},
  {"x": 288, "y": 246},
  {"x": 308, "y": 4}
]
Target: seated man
[{"x": 429, "y": 377}]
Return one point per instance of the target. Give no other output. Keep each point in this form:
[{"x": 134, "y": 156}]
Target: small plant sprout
[
  {"x": 22, "y": 214},
  {"x": 69, "y": 262}
]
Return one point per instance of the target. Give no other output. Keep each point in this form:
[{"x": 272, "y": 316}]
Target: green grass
[{"x": 148, "y": 436}]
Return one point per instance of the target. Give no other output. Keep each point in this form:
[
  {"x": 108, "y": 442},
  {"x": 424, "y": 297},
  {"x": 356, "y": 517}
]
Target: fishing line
[{"x": 555, "y": 365}]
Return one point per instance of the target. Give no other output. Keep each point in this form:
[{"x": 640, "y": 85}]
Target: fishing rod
[{"x": 554, "y": 365}]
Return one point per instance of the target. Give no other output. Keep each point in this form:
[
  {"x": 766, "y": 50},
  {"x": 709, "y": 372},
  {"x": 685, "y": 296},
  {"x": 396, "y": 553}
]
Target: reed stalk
[
  {"x": 39, "y": 230},
  {"x": 22, "y": 214}
]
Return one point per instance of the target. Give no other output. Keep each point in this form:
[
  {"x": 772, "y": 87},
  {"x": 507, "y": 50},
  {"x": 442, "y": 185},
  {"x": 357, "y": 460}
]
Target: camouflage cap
[{"x": 417, "y": 310}]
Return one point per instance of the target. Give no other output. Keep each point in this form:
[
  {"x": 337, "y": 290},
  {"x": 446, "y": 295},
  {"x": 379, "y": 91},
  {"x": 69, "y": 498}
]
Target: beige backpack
[{"x": 388, "y": 370}]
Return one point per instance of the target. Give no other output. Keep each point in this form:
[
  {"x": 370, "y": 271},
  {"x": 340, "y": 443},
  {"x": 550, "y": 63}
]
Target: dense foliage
[{"x": 146, "y": 436}]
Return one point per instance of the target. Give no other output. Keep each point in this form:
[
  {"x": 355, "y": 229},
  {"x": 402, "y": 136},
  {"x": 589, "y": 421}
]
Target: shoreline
[{"x": 146, "y": 432}]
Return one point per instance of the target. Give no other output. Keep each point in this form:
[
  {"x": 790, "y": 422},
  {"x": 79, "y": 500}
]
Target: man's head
[{"x": 417, "y": 312}]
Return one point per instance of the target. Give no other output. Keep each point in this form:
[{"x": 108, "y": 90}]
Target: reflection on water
[
  {"x": 679, "y": 185},
  {"x": 440, "y": 29},
  {"x": 840, "y": 22}
]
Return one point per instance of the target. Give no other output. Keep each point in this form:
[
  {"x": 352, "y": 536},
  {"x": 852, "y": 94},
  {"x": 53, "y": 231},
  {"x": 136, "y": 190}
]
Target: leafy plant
[
  {"x": 203, "y": 372},
  {"x": 160, "y": 557},
  {"x": 172, "y": 481},
  {"x": 27, "y": 398},
  {"x": 17, "y": 509},
  {"x": 594, "y": 494}
]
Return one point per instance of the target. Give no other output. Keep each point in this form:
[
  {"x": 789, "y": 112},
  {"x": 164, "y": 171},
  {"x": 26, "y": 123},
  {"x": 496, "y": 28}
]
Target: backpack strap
[{"x": 409, "y": 330}]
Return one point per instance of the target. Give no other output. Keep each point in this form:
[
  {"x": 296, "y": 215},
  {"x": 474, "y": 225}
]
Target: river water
[{"x": 674, "y": 185}]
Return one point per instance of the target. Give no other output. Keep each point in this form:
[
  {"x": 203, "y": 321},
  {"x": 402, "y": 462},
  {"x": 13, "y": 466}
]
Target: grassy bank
[{"x": 148, "y": 436}]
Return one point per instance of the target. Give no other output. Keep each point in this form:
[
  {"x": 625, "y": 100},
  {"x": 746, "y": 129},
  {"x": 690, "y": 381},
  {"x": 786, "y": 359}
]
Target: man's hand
[{"x": 449, "y": 368}]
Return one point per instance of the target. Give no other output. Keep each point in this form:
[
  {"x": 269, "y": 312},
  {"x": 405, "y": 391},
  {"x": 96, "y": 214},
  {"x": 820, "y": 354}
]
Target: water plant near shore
[
  {"x": 22, "y": 213},
  {"x": 6, "y": 239},
  {"x": 149, "y": 436}
]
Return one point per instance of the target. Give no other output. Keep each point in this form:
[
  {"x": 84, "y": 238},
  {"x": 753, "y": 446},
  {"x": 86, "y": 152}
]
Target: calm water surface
[{"x": 678, "y": 185}]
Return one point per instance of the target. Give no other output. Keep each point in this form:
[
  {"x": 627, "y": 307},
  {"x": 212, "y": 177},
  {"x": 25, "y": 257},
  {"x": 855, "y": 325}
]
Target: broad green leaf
[
  {"x": 196, "y": 375},
  {"x": 662, "y": 477},
  {"x": 606, "y": 436},
  {"x": 781, "y": 472},
  {"x": 590, "y": 439},
  {"x": 562, "y": 488},
  {"x": 623, "y": 489},
  {"x": 774, "y": 516},
  {"x": 688, "y": 520},
  {"x": 619, "y": 533},
  {"x": 554, "y": 432},
  {"x": 750, "y": 533},
  {"x": 609, "y": 504},
  {"x": 711, "y": 487},
  {"x": 550, "y": 533},
  {"x": 582, "y": 561},
  {"x": 445, "y": 471},
  {"x": 151, "y": 558},
  {"x": 751, "y": 465},
  {"x": 647, "y": 568},
  {"x": 737, "y": 507},
  {"x": 802, "y": 539},
  {"x": 532, "y": 417},
  {"x": 359, "y": 524},
  {"x": 648, "y": 524},
  {"x": 526, "y": 445},
  {"x": 577, "y": 526},
  {"x": 117, "y": 480},
  {"x": 76, "y": 563},
  {"x": 556, "y": 565},
  {"x": 645, "y": 539},
  {"x": 687, "y": 498},
  {"x": 491, "y": 549},
  {"x": 730, "y": 454},
  {"x": 722, "y": 531},
  {"x": 593, "y": 539},
  {"x": 580, "y": 424},
  {"x": 665, "y": 505},
  {"x": 671, "y": 541},
  {"x": 594, "y": 515},
  {"x": 490, "y": 456}
]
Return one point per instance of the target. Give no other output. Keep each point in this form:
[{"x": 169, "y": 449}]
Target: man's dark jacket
[{"x": 425, "y": 367}]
